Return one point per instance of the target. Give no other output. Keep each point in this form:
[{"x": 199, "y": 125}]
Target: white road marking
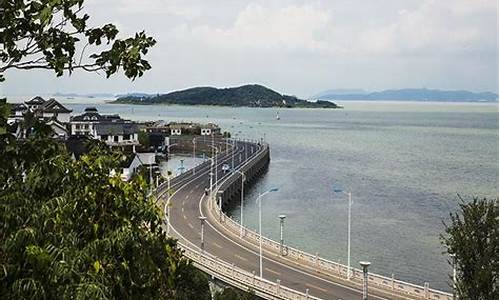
[
  {"x": 191, "y": 225},
  {"x": 316, "y": 287},
  {"x": 240, "y": 257},
  {"x": 272, "y": 271},
  {"x": 217, "y": 245}
]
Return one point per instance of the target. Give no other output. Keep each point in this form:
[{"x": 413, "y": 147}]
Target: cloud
[
  {"x": 435, "y": 27},
  {"x": 261, "y": 28},
  {"x": 425, "y": 29}
]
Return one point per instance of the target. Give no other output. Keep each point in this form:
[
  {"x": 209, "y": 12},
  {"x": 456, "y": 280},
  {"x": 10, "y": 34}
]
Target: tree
[
  {"x": 69, "y": 230},
  {"x": 55, "y": 35},
  {"x": 472, "y": 236},
  {"x": 234, "y": 294}
]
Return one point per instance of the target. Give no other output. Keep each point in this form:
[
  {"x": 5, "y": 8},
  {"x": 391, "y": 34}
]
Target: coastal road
[{"x": 189, "y": 202}]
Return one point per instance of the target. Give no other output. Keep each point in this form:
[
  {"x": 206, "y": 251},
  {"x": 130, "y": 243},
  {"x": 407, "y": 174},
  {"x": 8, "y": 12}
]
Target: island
[
  {"x": 251, "y": 95},
  {"x": 409, "y": 95}
]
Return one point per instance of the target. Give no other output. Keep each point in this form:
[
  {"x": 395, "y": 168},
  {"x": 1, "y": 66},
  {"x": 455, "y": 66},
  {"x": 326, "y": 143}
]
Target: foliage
[
  {"x": 69, "y": 230},
  {"x": 4, "y": 114},
  {"x": 234, "y": 294},
  {"x": 248, "y": 95},
  {"x": 55, "y": 34},
  {"x": 143, "y": 139},
  {"x": 472, "y": 236}
]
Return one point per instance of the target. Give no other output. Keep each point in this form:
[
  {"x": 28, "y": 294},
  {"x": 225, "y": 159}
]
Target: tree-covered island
[{"x": 252, "y": 95}]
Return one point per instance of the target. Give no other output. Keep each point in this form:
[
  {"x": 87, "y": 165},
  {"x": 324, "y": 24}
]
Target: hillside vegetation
[{"x": 246, "y": 95}]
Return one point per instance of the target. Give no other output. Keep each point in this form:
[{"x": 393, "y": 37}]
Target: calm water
[{"x": 403, "y": 162}]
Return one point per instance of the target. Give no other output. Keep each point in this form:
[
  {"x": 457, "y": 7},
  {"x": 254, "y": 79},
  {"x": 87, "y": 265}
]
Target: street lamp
[
  {"x": 194, "y": 155},
  {"x": 202, "y": 240},
  {"x": 348, "y": 231},
  {"x": 216, "y": 153},
  {"x": 454, "y": 264},
  {"x": 282, "y": 225},
  {"x": 259, "y": 199},
  {"x": 365, "y": 265},
  {"x": 243, "y": 179}
]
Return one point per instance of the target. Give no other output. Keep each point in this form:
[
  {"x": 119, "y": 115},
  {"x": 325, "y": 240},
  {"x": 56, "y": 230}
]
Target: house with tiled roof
[
  {"x": 34, "y": 103},
  {"x": 17, "y": 111},
  {"x": 51, "y": 109},
  {"x": 111, "y": 129}
]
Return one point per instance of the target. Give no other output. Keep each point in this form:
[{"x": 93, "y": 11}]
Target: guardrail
[
  {"x": 313, "y": 261},
  {"x": 240, "y": 278}
]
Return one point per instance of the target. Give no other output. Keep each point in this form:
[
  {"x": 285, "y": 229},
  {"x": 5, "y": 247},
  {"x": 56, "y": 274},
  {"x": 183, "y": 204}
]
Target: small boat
[{"x": 277, "y": 115}]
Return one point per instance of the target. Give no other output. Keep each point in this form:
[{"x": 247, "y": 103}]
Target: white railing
[
  {"x": 240, "y": 278},
  {"x": 313, "y": 261}
]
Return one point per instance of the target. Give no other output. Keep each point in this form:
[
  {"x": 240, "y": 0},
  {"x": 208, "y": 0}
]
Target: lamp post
[
  {"x": 202, "y": 238},
  {"x": 243, "y": 179},
  {"x": 282, "y": 226},
  {"x": 232, "y": 155},
  {"x": 259, "y": 200},
  {"x": 454, "y": 264},
  {"x": 365, "y": 265},
  {"x": 214, "y": 148},
  {"x": 194, "y": 155},
  {"x": 348, "y": 231},
  {"x": 168, "y": 153}
]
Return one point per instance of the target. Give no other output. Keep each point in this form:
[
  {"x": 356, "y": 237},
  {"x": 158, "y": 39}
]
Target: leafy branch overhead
[{"x": 55, "y": 35}]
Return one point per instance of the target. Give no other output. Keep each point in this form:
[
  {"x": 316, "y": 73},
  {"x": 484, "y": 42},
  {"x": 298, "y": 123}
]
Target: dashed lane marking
[
  {"x": 191, "y": 225},
  {"x": 316, "y": 287},
  {"x": 182, "y": 209},
  {"x": 240, "y": 257},
  {"x": 272, "y": 271},
  {"x": 184, "y": 216},
  {"x": 217, "y": 245}
]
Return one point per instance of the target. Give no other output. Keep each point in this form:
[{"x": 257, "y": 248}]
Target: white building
[
  {"x": 111, "y": 129},
  {"x": 84, "y": 124},
  {"x": 140, "y": 159},
  {"x": 51, "y": 109}
]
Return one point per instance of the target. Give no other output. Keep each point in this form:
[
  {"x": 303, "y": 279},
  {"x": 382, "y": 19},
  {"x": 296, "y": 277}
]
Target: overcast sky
[{"x": 295, "y": 47}]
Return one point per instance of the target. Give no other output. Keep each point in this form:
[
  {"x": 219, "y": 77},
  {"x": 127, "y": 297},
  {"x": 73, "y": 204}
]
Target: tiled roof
[
  {"x": 116, "y": 128},
  {"x": 53, "y": 106},
  {"x": 18, "y": 107},
  {"x": 37, "y": 100},
  {"x": 91, "y": 115}
]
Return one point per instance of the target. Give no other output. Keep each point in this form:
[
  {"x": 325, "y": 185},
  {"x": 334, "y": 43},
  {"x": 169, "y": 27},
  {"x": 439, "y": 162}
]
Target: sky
[{"x": 294, "y": 47}]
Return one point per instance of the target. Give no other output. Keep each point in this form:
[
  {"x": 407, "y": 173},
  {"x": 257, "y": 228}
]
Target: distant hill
[
  {"x": 94, "y": 95},
  {"x": 415, "y": 95},
  {"x": 340, "y": 92},
  {"x": 247, "y": 95}
]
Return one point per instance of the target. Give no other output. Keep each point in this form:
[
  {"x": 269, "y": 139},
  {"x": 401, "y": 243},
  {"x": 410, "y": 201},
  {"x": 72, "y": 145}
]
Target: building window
[
  {"x": 77, "y": 126},
  {"x": 115, "y": 138},
  {"x": 104, "y": 137},
  {"x": 86, "y": 126},
  {"x": 126, "y": 137}
]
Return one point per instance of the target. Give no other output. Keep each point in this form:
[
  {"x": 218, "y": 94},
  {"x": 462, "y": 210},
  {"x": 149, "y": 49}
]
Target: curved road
[{"x": 189, "y": 202}]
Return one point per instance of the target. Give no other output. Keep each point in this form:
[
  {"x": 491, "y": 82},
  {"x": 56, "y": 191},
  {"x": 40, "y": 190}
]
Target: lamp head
[
  {"x": 274, "y": 189},
  {"x": 364, "y": 264},
  {"x": 337, "y": 190},
  {"x": 282, "y": 217}
]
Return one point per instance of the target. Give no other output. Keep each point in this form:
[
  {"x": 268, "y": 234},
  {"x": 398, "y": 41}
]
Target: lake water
[{"x": 404, "y": 163}]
